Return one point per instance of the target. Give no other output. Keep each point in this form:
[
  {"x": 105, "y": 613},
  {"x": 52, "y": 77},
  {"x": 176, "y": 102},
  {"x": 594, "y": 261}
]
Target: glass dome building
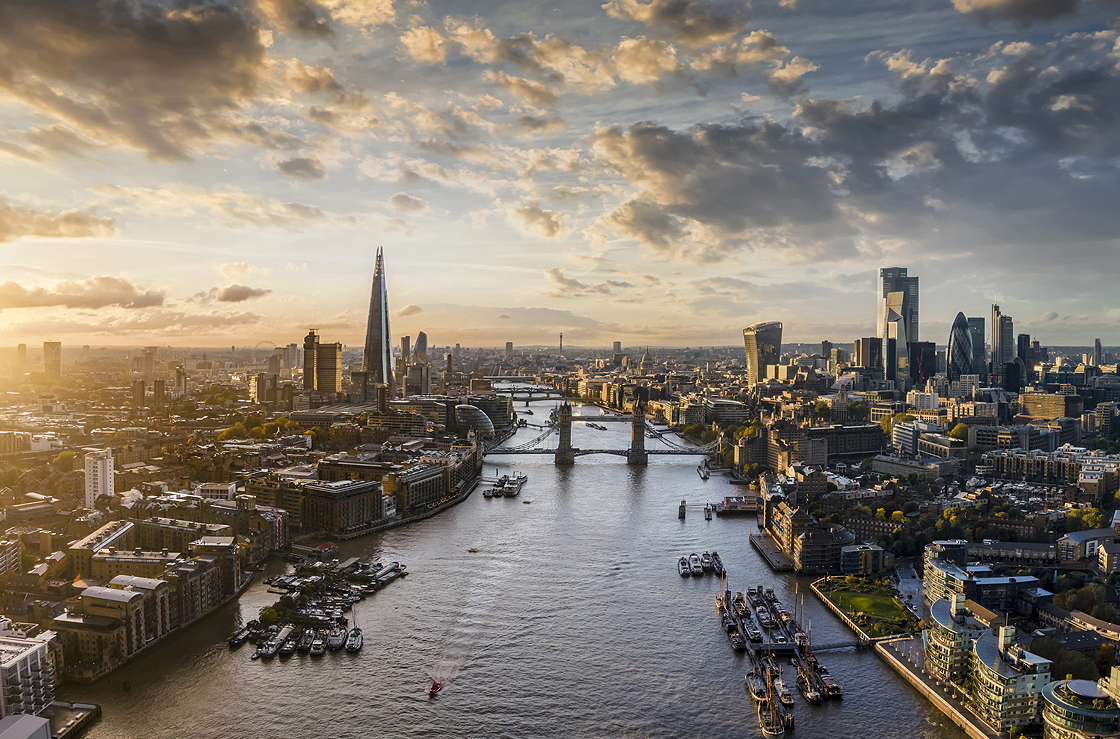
[
  {"x": 959, "y": 359},
  {"x": 467, "y": 417}
]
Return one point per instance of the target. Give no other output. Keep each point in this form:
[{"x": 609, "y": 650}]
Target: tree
[
  {"x": 858, "y": 411},
  {"x": 960, "y": 431},
  {"x": 820, "y": 410},
  {"x": 1105, "y": 658},
  {"x": 64, "y": 462},
  {"x": 899, "y": 517},
  {"x": 268, "y": 616},
  {"x": 866, "y": 464},
  {"x": 910, "y": 506}
]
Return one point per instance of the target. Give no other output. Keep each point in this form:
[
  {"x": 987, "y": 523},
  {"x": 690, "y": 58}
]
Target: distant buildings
[
  {"x": 1003, "y": 342},
  {"x": 27, "y": 671},
  {"x": 99, "y": 475},
  {"x": 763, "y": 343},
  {"x": 52, "y": 360},
  {"x": 958, "y": 360},
  {"x": 322, "y": 365}
]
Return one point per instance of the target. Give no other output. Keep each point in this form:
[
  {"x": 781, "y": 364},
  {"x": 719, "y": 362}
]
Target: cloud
[
  {"x": 237, "y": 269},
  {"x": 164, "y": 80},
  {"x": 531, "y": 218},
  {"x": 681, "y": 21},
  {"x": 302, "y": 168},
  {"x": 503, "y": 317},
  {"x": 314, "y": 80},
  {"x": 365, "y": 15},
  {"x": 96, "y": 292},
  {"x": 643, "y": 61},
  {"x": 405, "y": 203},
  {"x": 18, "y": 221},
  {"x": 232, "y": 207},
  {"x": 164, "y": 321},
  {"x": 299, "y": 17},
  {"x": 240, "y": 293},
  {"x": 425, "y": 44},
  {"x": 568, "y": 287},
  {"x": 534, "y": 92},
  {"x": 408, "y": 310},
  {"x": 1022, "y": 12},
  {"x": 1044, "y": 318}
]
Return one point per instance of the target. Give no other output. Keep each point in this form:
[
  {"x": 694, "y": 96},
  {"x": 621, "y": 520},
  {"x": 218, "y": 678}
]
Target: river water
[{"x": 570, "y": 621}]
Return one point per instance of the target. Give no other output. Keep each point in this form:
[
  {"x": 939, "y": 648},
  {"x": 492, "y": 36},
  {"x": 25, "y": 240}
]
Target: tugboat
[
  {"x": 695, "y": 565},
  {"x": 717, "y": 564},
  {"x": 436, "y": 687},
  {"x": 706, "y": 561},
  {"x": 354, "y": 640},
  {"x": 682, "y": 567}
]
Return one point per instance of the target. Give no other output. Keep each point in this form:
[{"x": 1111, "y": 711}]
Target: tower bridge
[{"x": 565, "y": 453}]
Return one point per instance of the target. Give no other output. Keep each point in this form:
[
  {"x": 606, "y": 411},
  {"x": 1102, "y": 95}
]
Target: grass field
[{"x": 873, "y": 604}]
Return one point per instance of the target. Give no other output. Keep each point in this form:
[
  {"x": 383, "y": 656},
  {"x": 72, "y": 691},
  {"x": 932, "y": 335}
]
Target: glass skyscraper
[
  {"x": 377, "y": 359},
  {"x": 764, "y": 346},
  {"x": 958, "y": 361}
]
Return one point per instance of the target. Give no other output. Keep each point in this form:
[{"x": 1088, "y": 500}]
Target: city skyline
[{"x": 662, "y": 173}]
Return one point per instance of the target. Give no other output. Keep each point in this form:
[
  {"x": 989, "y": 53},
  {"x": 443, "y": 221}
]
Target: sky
[{"x": 659, "y": 172}]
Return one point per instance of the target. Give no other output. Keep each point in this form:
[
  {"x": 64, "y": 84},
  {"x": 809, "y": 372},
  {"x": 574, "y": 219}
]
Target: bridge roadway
[{"x": 620, "y": 452}]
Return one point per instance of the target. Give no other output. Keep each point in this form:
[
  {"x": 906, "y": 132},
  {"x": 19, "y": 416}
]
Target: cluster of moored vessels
[
  {"x": 758, "y": 619},
  {"x": 506, "y": 486},
  {"x": 596, "y": 426},
  {"x": 698, "y": 565}
]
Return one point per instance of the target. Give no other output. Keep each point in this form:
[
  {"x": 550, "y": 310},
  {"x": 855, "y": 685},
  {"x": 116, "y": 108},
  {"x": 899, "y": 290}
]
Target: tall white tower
[{"x": 99, "y": 475}]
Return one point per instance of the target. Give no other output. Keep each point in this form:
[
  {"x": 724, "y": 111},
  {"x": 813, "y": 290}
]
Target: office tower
[
  {"x": 420, "y": 348},
  {"x": 959, "y": 359},
  {"x": 1003, "y": 342},
  {"x": 138, "y": 394},
  {"x": 509, "y": 349},
  {"x": 405, "y": 349},
  {"x": 377, "y": 359},
  {"x": 99, "y": 475},
  {"x": 763, "y": 343},
  {"x": 923, "y": 362},
  {"x": 1023, "y": 348},
  {"x": 896, "y": 338},
  {"x": 328, "y": 368},
  {"x": 979, "y": 353},
  {"x": 21, "y": 356},
  {"x": 869, "y": 352},
  {"x": 181, "y": 380},
  {"x": 274, "y": 363},
  {"x": 1098, "y": 358},
  {"x": 891, "y": 280},
  {"x": 826, "y": 350},
  {"x": 159, "y": 393},
  {"x": 310, "y": 359},
  {"x": 455, "y": 353},
  {"x": 419, "y": 380},
  {"x": 52, "y": 360},
  {"x": 617, "y": 347}
]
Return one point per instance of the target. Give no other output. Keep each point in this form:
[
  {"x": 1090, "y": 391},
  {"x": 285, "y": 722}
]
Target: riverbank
[{"x": 902, "y": 656}]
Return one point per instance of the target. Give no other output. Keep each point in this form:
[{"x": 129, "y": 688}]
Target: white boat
[
  {"x": 781, "y": 691},
  {"x": 694, "y": 565},
  {"x": 513, "y": 485}
]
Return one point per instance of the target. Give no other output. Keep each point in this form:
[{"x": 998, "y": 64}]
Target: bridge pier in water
[
  {"x": 565, "y": 455},
  {"x": 637, "y": 452}
]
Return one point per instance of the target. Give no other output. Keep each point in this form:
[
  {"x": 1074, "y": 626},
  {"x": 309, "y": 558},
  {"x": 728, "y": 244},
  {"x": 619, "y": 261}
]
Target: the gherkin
[{"x": 959, "y": 360}]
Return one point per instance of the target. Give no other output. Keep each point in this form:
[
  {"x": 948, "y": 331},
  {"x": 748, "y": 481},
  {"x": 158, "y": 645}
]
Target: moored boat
[
  {"x": 831, "y": 689},
  {"x": 694, "y": 565},
  {"x": 305, "y": 640},
  {"x": 739, "y": 602},
  {"x": 737, "y": 642},
  {"x": 239, "y": 638},
  {"x": 319, "y": 643},
  {"x": 717, "y": 564},
  {"x": 682, "y": 567},
  {"x": 336, "y": 639},
  {"x": 770, "y": 722},
  {"x": 436, "y": 687},
  {"x": 756, "y": 686},
  {"x": 354, "y": 640},
  {"x": 781, "y": 691},
  {"x": 288, "y": 648},
  {"x": 706, "y": 561},
  {"x": 754, "y": 635},
  {"x": 513, "y": 485},
  {"x": 488, "y": 493},
  {"x": 807, "y": 690}
]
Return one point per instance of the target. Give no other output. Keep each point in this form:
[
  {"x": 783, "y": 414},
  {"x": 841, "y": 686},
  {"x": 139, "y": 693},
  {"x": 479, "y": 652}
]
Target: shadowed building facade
[{"x": 763, "y": 342}]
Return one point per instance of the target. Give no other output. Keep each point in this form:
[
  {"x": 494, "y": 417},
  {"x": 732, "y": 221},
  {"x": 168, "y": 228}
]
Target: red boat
[{"x": 436, "y": 687}]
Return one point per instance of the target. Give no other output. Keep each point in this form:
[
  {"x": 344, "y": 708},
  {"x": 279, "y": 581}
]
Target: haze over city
[{"x": 652, "y": 172}]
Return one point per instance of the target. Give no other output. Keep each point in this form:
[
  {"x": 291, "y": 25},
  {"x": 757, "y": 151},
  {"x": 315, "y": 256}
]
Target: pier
[{"x": 770, "y": 552}]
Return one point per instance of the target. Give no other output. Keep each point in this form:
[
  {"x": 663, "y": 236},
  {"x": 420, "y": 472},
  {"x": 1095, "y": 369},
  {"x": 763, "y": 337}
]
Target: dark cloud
[
  {"x": 239, "y": 293},
  {"x": 96, "y": 292},
  {"x": 160, "y": 79},
  {"x": 683, "y": 21},
  {"x": 298, "y": 17},
  {"x": 1022, "y": 12},
  {"x": 303, "y": 168},
  {"x": 18, "y": 221}
]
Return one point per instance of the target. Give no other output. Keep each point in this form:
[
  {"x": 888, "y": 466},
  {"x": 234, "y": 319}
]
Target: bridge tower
[
  {"x": 564, "y": 452},
  {"x": 637, "y": 452}
]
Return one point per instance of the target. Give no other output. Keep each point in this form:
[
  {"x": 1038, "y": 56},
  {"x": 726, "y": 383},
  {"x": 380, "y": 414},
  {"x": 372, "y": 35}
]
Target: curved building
[
  {"x": 764, "y": 346},
  {"x": 1078, "y": 709},
  {"x": 469, "y": 417},
  {"x": 959, "y": 359}
]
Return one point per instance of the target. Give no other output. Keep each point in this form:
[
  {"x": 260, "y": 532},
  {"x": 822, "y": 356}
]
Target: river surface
[{"x": 570, "y": 621}]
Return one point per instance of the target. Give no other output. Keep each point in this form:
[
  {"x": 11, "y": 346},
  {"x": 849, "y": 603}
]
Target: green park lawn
[{"x": 873, "y": 604}]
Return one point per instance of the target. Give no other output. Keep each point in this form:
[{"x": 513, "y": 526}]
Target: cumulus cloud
[
  {"x": 237, "y": 269},
  {"x": 533, "y": 92},
  {"x": 682, "y": 21},
  {"x": 425, "y": 44},
  {"x": 531, "y": 218},
  {"x": 164, "y": 80},
  {"x": 18, "y": 221},
  {"x": 299, "y": 17},
  {"x": 405, "y": 203},
  {"x": 302, "y": 168},
  {"x": 643, "y": 61},
  {"x": 240, "y": 293},
  {"x": 96, "y": 292},
  {"x": 568, "y": 287},
  {"x": 408, "y": 310}
]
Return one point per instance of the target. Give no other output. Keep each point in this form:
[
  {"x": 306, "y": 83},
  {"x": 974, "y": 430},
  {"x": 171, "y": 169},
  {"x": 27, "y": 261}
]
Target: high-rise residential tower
[
  {"x": 763, "y": 342},
  {"x": 377, "y": 360},
  {"x": 958, "y": 361},
  {"x": 99, "y": 475},
  {"x": 310, "y": 357},
  {"x": 892, "y": 280},
  {"x": 52, "y": 360}
]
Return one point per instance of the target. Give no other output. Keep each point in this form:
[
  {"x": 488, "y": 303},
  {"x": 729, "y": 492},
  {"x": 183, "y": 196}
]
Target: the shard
[{"x": 377, "y": 361}]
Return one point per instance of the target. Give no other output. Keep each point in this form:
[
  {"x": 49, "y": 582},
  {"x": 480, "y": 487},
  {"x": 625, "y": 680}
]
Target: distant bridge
[
  {"x": 510, "y": 378},
  {"x": 698, "y": 451}
]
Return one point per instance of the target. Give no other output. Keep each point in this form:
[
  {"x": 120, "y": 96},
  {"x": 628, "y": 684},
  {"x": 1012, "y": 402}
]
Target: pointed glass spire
[{"x": 378, "y": 359}]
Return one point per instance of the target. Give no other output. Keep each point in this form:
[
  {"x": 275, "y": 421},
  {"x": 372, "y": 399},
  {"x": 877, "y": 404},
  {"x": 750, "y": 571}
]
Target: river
[{"x": 570, "y": 621}]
